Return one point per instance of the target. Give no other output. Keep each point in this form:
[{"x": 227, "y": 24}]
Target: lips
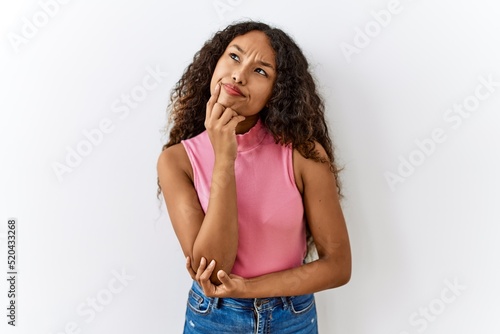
[{"x": 232, "y": 90}]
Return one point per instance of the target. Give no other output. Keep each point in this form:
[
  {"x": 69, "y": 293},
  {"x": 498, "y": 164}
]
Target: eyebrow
[{"x": 261, "y": 62}]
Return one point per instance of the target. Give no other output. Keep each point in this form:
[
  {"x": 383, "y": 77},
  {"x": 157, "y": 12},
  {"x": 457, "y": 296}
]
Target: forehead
[{"x": 255, "y": 42}]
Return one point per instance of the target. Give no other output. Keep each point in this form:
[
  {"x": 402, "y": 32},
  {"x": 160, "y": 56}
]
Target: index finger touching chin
[{"x": 212, "y": 100}]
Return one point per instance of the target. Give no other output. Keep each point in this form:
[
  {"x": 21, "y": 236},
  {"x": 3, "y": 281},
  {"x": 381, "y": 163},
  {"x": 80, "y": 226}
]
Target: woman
[{"x": 247, "y": 174}]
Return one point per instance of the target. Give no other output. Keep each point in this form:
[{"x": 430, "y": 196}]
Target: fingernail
[
  {"x": 217, "y": 87},
  {"x": 212, "y": 262}
]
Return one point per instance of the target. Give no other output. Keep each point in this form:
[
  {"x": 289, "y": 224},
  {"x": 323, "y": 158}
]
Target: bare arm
[{"x": 214, "y": 235}]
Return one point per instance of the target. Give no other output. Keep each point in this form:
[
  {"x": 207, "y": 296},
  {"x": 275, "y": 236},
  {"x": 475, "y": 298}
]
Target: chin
[{"x": 225, "y": 101}]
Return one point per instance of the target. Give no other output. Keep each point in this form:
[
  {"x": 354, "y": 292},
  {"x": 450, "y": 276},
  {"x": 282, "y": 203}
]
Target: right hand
[{"x": 221, "y": 123}]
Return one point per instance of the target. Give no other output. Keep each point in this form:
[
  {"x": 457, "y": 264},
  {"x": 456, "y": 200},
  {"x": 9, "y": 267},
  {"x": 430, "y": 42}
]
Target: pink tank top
[{"x": 270, "y": 209}]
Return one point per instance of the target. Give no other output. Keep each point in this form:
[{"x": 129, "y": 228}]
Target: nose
[{"x": 239, "y": 75}]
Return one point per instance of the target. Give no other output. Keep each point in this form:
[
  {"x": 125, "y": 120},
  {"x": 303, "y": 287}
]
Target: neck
[{"x": 247, "y": 124}]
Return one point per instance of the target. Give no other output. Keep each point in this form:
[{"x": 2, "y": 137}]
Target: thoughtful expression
[{"x": 247, "y": 72}]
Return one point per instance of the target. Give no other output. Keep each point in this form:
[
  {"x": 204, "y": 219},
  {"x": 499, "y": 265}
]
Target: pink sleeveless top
[{"x": 270, "y": 209}]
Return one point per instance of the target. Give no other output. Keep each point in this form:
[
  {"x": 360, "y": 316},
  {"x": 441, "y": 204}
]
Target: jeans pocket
[
  {"x": 301, "y": 304},
  {"x": 199, "y": 304}
]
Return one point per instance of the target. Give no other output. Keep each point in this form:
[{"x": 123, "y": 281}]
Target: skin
[
  {"x": 248, "y": 63},
  {"x": 214, "y": 236}
]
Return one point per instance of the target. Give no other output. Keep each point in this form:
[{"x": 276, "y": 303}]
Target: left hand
[{"x": 232, "y": 286}]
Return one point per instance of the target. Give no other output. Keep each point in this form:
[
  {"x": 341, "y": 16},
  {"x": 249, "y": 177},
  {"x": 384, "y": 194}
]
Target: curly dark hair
[{"x": 295, "y": 113}]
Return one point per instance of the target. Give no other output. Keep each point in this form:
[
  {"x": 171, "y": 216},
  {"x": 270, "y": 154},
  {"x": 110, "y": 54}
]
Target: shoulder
[
  {"x": 170, "y": 155},
  {"x": 305, "y": 168},
  {"x": 300, "y": 161},
  {"x": 174, "y": 159}
]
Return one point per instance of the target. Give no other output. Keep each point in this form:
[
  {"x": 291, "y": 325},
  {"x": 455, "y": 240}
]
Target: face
[{"x": 247, "y": 71}]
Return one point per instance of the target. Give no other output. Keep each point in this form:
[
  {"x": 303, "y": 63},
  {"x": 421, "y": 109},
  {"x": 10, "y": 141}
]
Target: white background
[{"x": 440, "y": 225}]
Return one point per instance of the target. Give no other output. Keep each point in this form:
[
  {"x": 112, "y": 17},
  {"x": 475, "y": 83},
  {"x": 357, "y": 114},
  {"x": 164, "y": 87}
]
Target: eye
[
  {"x": 234, "y": 56},
  {"x": 261, "y": 71}
]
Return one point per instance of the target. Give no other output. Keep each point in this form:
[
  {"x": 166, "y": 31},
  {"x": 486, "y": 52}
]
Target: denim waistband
[{"x": 243, "y": 303}]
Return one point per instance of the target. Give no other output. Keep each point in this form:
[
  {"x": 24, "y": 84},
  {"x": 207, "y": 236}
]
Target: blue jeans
[{"x": 280, "y": 315}]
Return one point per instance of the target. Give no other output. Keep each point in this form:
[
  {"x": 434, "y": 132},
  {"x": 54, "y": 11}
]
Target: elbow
[
  {"x": 199, "y": 251},
  {"x": 196, "y": 254},
  {"x": 339, "y": 279},
  {"x": 341, "y": 273},
  {"x": 222, "y": 262},
  {"x": 345, "y": 269},
  {"x": 195, "y": 259},
  {"x": 196, "y": 263},
  {"x": 344, "y": 277}
]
